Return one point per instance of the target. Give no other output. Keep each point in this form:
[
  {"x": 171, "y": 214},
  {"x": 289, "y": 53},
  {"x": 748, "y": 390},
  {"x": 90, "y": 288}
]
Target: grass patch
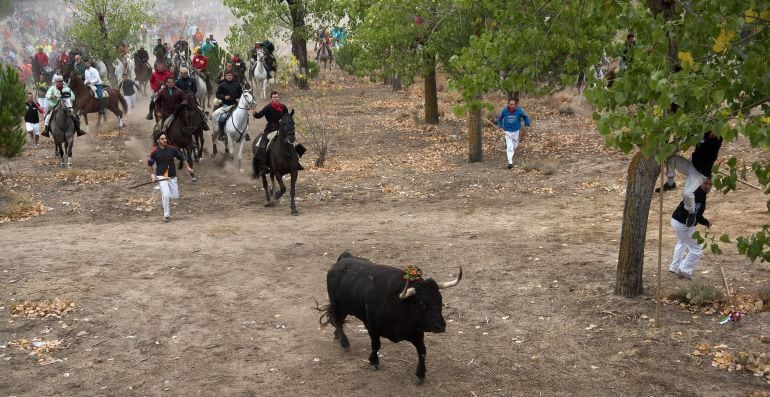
[
  {"x": 16, "y": 207},
  {"x": 764, "y": 294},
  {"x": 697, "y": 293}
]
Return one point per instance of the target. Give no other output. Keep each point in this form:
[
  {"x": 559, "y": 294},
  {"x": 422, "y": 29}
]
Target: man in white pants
[
  {"x": 687, "y": 251},
  {"x": 510, "y": 122},
  {"x": 128, "y": 88},
  {"x": 164, "y": 174}
]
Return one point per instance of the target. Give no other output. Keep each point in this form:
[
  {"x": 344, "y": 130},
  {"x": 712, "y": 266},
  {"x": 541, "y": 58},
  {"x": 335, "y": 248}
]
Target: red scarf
[
  {"x": 512, "y": 109},
  {"x": 278, "y": 107}
]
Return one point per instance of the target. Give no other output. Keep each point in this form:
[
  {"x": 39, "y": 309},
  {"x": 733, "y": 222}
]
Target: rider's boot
[
  {"x": 262, "y": 150},
  {"x": 101, "y": 105},
  {"x": 221, "y": 131},
  {"x": 76, "y": 121},
  {"x": 149, "y": 113}
]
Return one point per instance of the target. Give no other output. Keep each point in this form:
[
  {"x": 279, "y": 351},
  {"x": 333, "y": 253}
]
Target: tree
[
  {"x": 270, "y": 16},
  {"x": 700, "y": 66},
  {"x": 6, "y": 8},
  {"x": 536, "y": 47},
  {"x": 102, "y": 25},
  {"x": 12, "y": 136},
  {"x": 407, "y": 39}
]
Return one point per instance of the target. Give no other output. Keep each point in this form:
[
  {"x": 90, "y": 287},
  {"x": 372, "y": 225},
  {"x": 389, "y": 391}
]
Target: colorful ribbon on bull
[
  {"x": 731, "y": 317},
  {"x": 412, "y": 273}
]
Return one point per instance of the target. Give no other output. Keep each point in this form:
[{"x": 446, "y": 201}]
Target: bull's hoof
[
  {"x": 270, "y": 204},
  {"x": 374, "y": 367},
  {"x": 419, "y": 381},
  {"x": 294, "y": 212}
]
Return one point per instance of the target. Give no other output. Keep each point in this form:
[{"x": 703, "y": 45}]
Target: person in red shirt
[
  {"x": 157, "y": 80},
  {"x": 41, "y": 57},
  {"x": 201, "y": 64}
]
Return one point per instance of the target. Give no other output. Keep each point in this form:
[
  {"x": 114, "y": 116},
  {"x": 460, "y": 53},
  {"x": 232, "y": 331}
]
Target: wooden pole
[
  {"x": 660, "y": 251},
  {"x": 727, "y": 286}
]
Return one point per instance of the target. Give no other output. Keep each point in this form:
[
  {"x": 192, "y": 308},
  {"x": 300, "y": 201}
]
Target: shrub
[
  {"x": 764, "y": 294},
  {"x": 697, "y": 293},
  {"x": 345, "y": 57},
  {"x": 312, "y": 68},
  {"x": 12, "y": 135}
]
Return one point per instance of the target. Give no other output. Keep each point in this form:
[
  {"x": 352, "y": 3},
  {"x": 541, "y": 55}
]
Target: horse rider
[
  {"x": 160, "y": 51},
  {"x": 272, "y": 112},
  {"x": 229, "y": 92},
  {"x": 221, "y": 77},
  {"x": 267, "y": 49},
  {"x": 239, "y": 68},
  {"x": 197, "y": 37},
  {"x": 324, "y": 40},
  {"x": 142, "y": 55},
  {"x": 254, "y": 51},
  {"x": 78, "y": 67},
  {"x": 41, "y": 57},
  {"x": 189, "y": 86},
  {"x": 157, "y": 80},
  {"x": 169, "y": 100},
  {"x": 57, "y": 92},
  {"x": 207, "y": 47},
  {"x": 201, "y": 64},
  {"x": 213, "y": 41},
  {"x": 92, "y": 78}
]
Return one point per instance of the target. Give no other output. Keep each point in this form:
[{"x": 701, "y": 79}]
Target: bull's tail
[{"x": 325, "y": 318}]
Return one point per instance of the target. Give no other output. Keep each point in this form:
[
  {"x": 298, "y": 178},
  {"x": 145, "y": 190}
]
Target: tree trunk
[
  {"x": 642, "y": 173},
  {"x": 299, "y": 42},
  {"x": 475, "y": 147},
  {"x": 431, "y": 93}
]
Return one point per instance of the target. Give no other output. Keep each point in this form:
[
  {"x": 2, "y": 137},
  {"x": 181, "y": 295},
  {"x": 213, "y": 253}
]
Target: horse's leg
[
  {"x": 292, "y": 192},
  {"x": 59, "y": 149},
  {"x": 85, "y": 119},
  {"x": 268, "y": 200},
  {"x": 279, "y": 178},
  {"x": 240, "y": 154},
  {"x": 69, "y": 140}
]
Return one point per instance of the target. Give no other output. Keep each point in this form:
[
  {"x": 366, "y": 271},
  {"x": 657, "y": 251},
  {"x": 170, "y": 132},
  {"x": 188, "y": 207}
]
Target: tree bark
[
  {"x": 475, "y": 147},
  {"x": 299, "y": 42},
  {"x": 431, "y": 93},
  {"x": 642, "y": 173}
]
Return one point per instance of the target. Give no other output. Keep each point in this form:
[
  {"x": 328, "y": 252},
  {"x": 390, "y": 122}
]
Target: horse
[
  {"x": 185, "y": 132},
  {"x": 63, "y": 130},
  {"x": 119, "y": 67},
  {"x": 282, "y": 159},
  {"x": 143, "y": 74},
  {"x": 235, "y": 126},
  {"x": 325, "y": 56},
  {"x": 259, "y": 74},
  {"x": 102, "y": 68},
  {"x": 202, "y": 96},
  {"x": 86, "y": 103}
]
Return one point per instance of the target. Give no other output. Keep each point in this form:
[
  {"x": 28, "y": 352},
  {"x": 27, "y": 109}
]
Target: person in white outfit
[
  {"x": 687, "y": 251},
  {"x": 92, "y": 78},
  {"x": 162, "y": 157}
]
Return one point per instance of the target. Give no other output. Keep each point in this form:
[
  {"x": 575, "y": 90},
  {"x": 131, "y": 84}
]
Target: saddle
[
  {"x": 104, "y": 91},
  {"x": 297, "y": 146}
]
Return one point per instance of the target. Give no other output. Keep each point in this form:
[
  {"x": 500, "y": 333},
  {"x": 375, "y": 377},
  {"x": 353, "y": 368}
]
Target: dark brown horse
[
  {"x": 143, "y": 73},
  {"x": 86, "y": 103},
  {"x": 282, "y": 159},
  {"x": 186, "y": 132}
]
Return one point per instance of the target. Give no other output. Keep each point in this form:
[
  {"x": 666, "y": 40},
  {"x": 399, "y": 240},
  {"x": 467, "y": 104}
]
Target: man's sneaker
[
  {"x": 510, "y": 166},
  {"x": 674, "y": 271},
  {"x": 666, "y": 187},
  {"x": 165, "y": 219},
  {"x": 691, "y": 220},
  {"x": 684, "y": 275}
]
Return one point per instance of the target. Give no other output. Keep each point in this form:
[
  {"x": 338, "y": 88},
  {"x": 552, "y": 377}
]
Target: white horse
[
  {"x": 259, "y": 74},
  {"x": 235, "y": 126},
  {"x": 202, "y": 95},
  {"x": 102, "y": 68}
]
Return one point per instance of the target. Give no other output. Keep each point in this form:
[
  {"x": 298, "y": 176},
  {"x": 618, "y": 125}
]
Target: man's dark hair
[
  {"x": 169, "y": 78},
  {"x": 630, "y": 35},
  {"x": 273, "y": 93}
]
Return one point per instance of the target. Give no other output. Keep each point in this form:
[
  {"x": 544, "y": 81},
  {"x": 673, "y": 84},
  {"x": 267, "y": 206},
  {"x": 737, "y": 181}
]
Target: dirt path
[{"x": 220, "y": 300}]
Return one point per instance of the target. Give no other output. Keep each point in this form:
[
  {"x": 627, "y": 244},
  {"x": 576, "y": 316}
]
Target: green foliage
[
  {"x": 123, "y": 19},
  {"x": 12, "y": 96},
  {"x": 697, "y": 293},
  {"x": 718, "y": 82},
  {"x": 313, "y": 69},
  {"x": 6, "y": 8},
  {"x": 345, "y": 56},
  {"x": 216, "y": 61}
]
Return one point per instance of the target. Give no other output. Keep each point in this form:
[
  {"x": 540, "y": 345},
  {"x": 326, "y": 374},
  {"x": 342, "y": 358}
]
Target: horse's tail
[
  {"x": 255, "y": 167},
  {"x": 123, "y": 103}
]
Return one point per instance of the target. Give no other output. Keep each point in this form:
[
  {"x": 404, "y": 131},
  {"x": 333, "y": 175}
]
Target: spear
[{"x": 158, "y": 179}]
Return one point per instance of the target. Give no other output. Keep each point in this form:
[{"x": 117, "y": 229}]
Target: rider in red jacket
[
  {"x": 201, "y": 64},
  {"x": 156, "y": 82}
]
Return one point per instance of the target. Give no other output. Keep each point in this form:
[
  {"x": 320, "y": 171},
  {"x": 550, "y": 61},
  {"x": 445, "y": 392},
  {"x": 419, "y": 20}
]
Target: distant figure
[
  {"x": 510, "y": 122},
  {"x": 687, "y": 252}
]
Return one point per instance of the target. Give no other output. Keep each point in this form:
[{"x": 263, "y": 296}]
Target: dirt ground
[{"x": 220, "y": 300}]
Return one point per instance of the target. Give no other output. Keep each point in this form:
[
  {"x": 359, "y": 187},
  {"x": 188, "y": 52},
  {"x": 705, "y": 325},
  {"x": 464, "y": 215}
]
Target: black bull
[{"x": 388, "y": 306}]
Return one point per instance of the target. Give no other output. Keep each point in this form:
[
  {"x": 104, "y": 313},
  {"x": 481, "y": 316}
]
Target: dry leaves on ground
[
  {"x": 41, "y": 309},
  {"x": 757, "y": 363}
]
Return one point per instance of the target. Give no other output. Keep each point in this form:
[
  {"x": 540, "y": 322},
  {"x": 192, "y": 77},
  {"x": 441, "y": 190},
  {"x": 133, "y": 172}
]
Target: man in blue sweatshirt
[{"x": 510, "y": 122}]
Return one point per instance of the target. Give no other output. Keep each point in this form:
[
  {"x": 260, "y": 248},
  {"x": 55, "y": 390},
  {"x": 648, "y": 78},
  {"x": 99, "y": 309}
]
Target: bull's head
[{"x": 426, "y": 297}]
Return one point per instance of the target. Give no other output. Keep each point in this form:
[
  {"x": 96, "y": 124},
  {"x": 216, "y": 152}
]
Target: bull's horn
[
  {"x": 452, "y": 283},
  {"x": 407, "y": 292}
]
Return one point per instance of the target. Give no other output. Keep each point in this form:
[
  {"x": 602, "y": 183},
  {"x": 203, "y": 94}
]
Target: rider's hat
[{"x": 57, "y": 79}]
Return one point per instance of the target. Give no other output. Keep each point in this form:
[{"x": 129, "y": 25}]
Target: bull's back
[{"x": 356, "y": 285}]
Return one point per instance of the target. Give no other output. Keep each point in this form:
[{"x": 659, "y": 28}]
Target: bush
[
  {"x": 12, "y": 96},
  {"x": 313, "y": 69},
  {"x": 697, "y": 293},
  {"x": 345, "y": 57},
  {"x": 764, "y": 294}
]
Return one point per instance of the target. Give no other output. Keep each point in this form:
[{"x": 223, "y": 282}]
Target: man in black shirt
[
  {"x": 687, "y": 252},
  {"x": 128, "y": 88},
  {"x": 32, "y": 118},
  {"x": 229, "y": 92},
  {"x": 162, "y": 157}
]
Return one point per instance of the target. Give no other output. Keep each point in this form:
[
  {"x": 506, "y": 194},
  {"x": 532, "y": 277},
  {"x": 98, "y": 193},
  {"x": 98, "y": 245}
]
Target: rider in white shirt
[{"x": 91, "y": 76}]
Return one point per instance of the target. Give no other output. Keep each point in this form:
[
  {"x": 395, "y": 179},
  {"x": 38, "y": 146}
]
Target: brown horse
[{"x": 86, "y": 103}]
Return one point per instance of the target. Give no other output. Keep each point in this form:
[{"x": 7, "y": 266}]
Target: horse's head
[
  {"x": 247, "y": 100},
  {"x": 286, "y": 127}
]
